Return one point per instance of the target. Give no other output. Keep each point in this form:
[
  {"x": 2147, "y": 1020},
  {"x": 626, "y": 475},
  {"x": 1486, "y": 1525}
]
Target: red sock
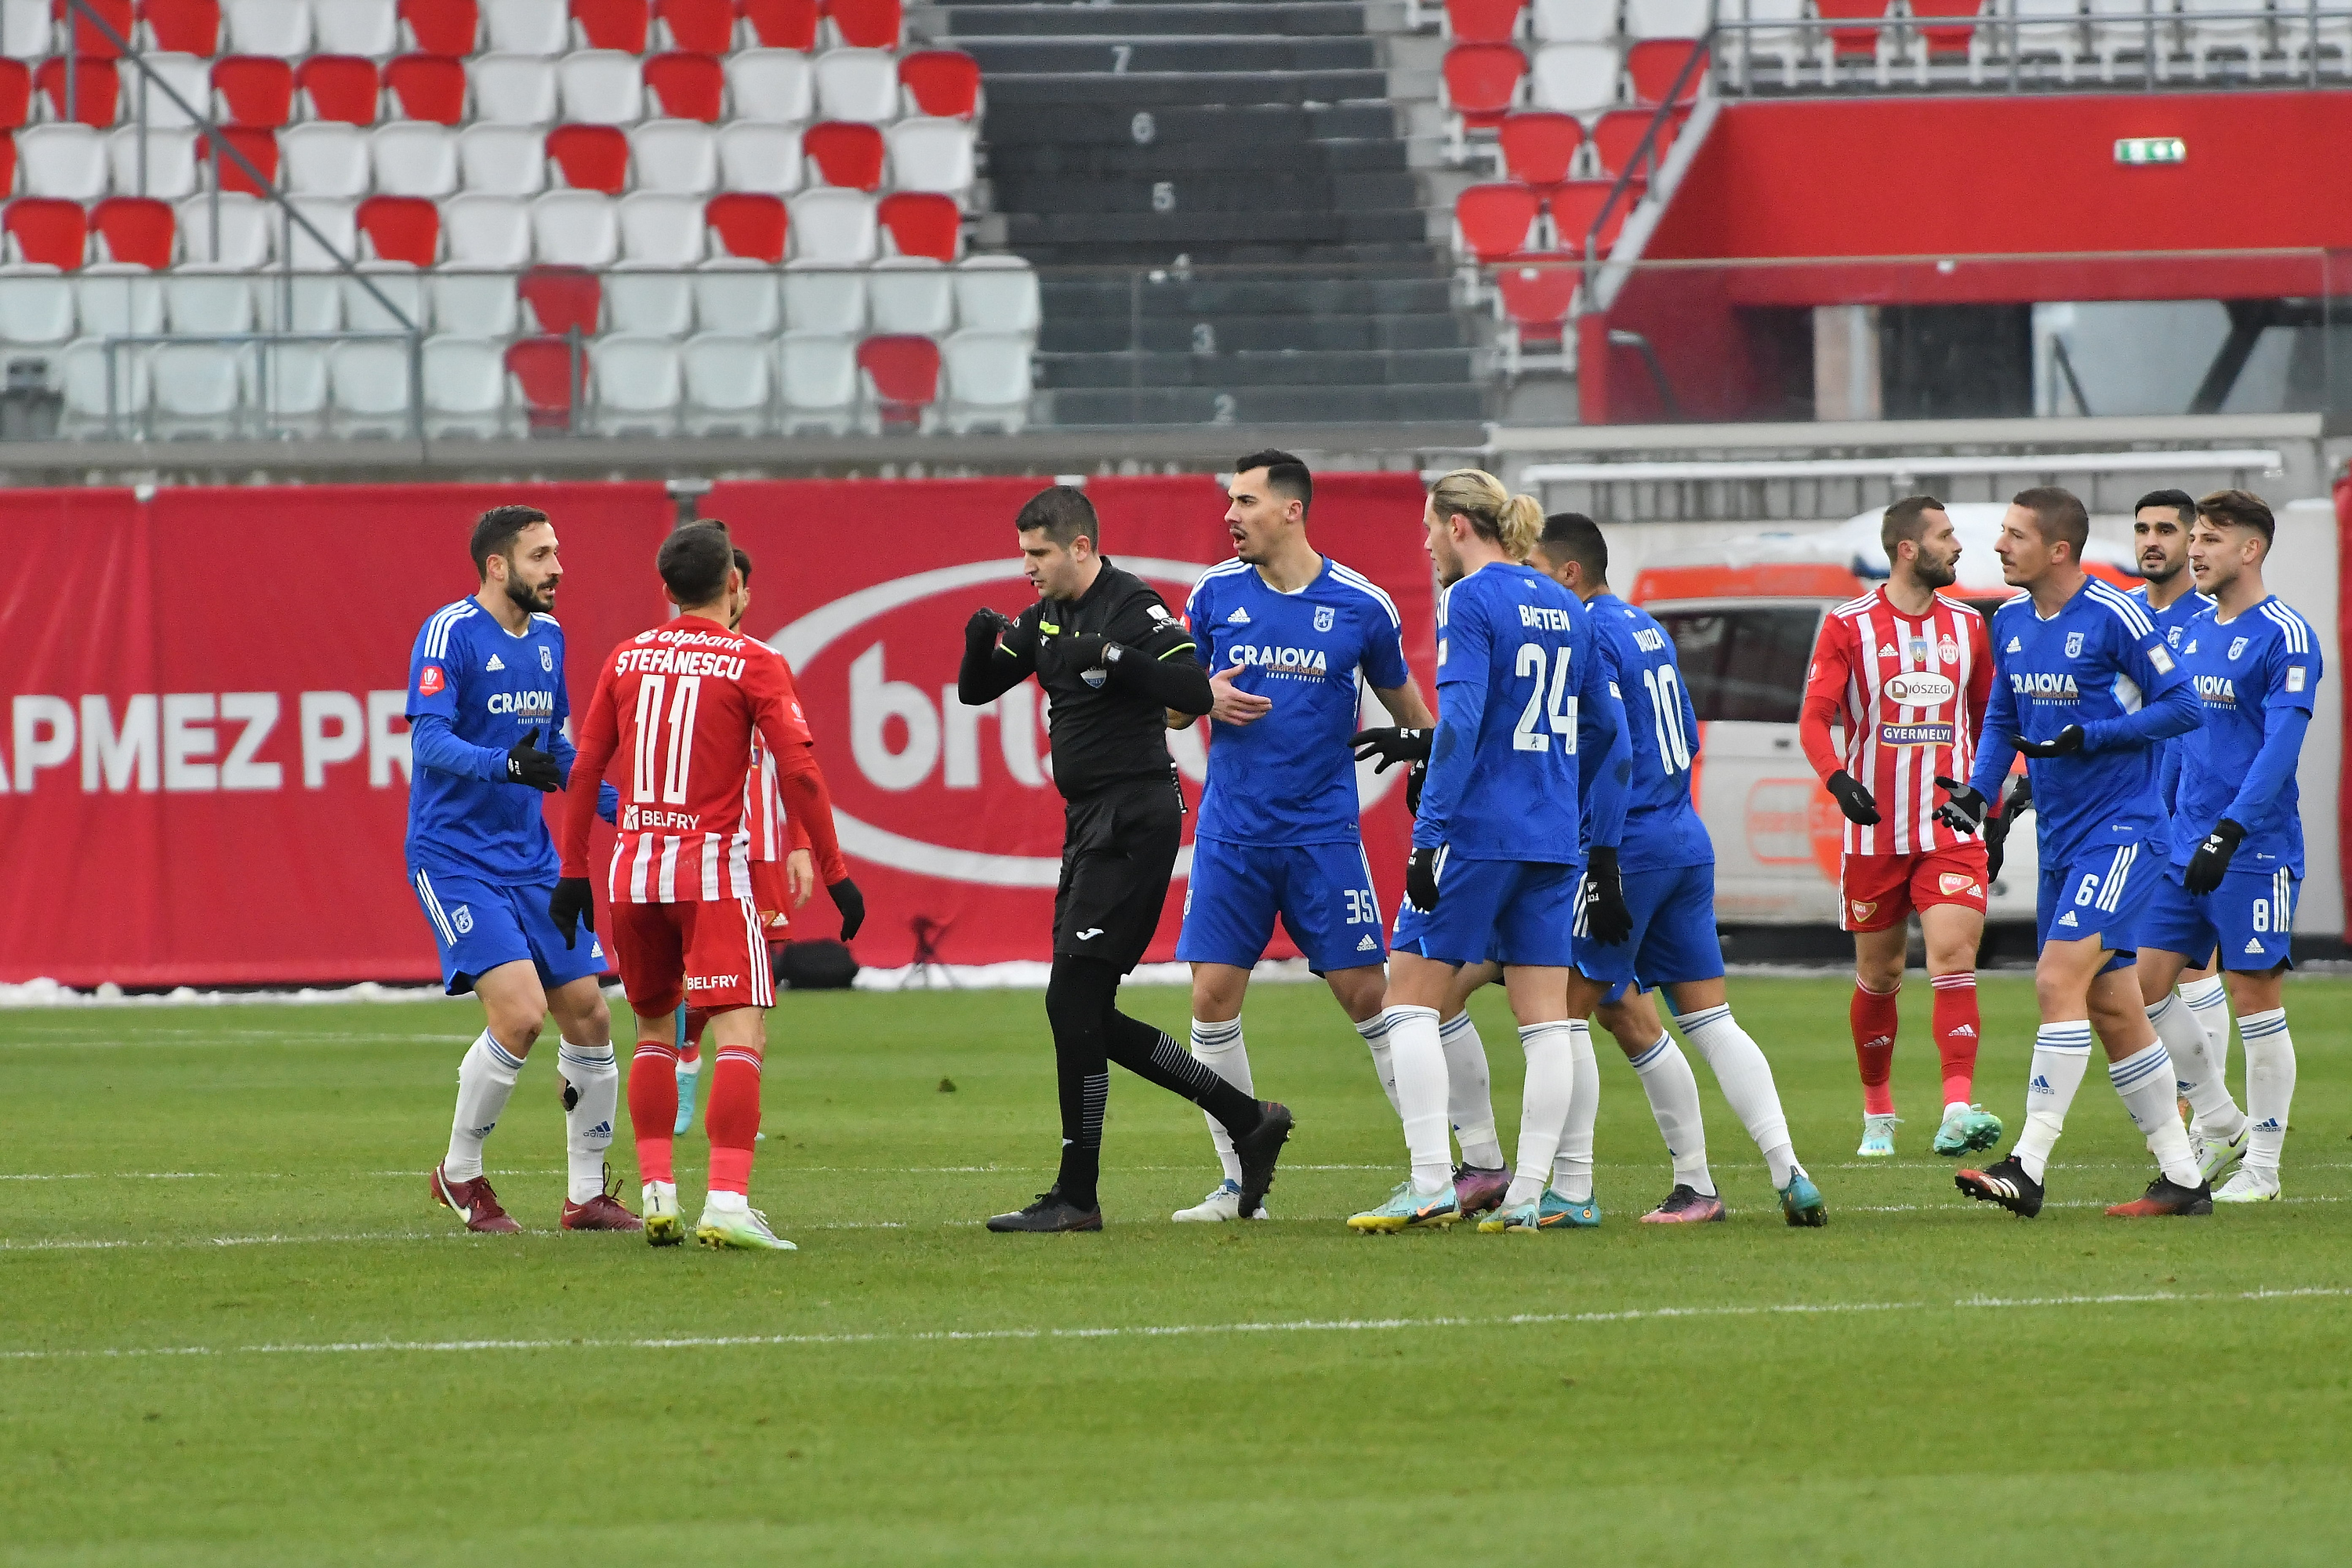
[
  {"x": 733, "y": 1119},
  {"x": 1955, "y": 1035},
  {"x": 690, "y": 1053},
  {"x": 652, "y": 1108},
  {"x": 1873, "y": 1015}
]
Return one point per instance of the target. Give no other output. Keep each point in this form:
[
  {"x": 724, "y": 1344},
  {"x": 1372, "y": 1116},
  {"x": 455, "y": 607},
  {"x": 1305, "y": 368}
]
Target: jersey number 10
[
  {"x": 1559, "y": 712},
  {"x": 652, "y": 767}
]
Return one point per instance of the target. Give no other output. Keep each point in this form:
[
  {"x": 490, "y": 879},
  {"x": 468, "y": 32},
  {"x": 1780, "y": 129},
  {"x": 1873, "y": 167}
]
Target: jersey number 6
[{"x": 1525, "y": 737}]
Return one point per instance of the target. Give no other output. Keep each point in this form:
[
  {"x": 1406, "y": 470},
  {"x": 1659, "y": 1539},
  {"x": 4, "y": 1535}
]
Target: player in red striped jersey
[
  {"x": 683, "y": 702},
  {"x": 1893, "y": 703}
]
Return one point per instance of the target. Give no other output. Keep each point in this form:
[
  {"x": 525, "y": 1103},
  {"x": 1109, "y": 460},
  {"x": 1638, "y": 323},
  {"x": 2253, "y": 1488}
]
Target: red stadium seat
[
  {"x": 183, "y": 26},
  {"x": 403, "y": 228},
  {"x": 341, "y": 87},
  {"x": 922, "y": 224},
  {"x": 1656, "y": 63},
  {"x": 699, "y": 26},
  {"x": 135, "y": 228},
  {"x": 1539, "y": 146},
  {"x": 1945, "y": 40},
  {"x": 1854, "y": 40},
  {"x": 97, "y": 88},
  {"x": 16, "y": 94},
  {"x": 1482, "y": 81},
  {"x": 1495, "y": 220},
  {"x": 47, "y": 230},
  {"x": 545, "y": 368},
  {"x": 1483, "y": 21},
  {"x": 847, "y": 154},
  {"x": 442, "y": 27},
  {"x": 429, "y": 86},
  {"x": 1537, "y": 298},
  {"x": 905, "y": 374},
  {"x": 687, "y": 86},
  {"x": 868, "y": 23},
  {"x": 613, "y": 23},
  {"x": 88, "y": 41},
  {"x": 945, "y": 82},
  {"x": 1619, "y": 133},
  {"x": 7, "y": 163},
  {"x": 1577, "y": 204},
  {"x": 257, "y": 90},
  {"x": 591, "y": 157},
  {"x": 783, "y": 23},
  {"x": 260, "y": 145},
  {"x": 747, "y": 224},
  {"x": 564, "y": 298}
]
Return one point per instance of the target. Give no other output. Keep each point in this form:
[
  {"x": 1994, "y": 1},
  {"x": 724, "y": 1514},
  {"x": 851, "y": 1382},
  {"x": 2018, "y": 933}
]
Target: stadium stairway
[{"x": 1239, "y": 174}]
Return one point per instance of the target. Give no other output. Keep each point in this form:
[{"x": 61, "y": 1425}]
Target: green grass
[{"x": 1738, "y": 1393}]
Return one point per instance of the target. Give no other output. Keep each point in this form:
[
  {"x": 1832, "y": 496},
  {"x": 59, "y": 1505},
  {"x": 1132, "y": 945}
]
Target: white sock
[
  {"x": 2193, "y": 1074},
  {"x": 2270, "y": 1085},
  {"x": 1667, "y": 1080},
  {"x": 588, "y": 1125},
  {"x": 1469, "y": 1098},
  {"x": 1375, "y": 1031},
  {"x": 726, "y": 1203},
  {"x": 1543, "y": 1115},
  {"x": 1571, "y": 1168},
  {"x": 2209, "y": 1003},
  {"x": 485, "y": 1078},
  {"x": 2145, "y": 1080},
  {"x": 2061, "y": 1055},
  {"x": 1220, "y": 1049},
  {"x": 1746, "y": 1079},
  {"x": 1419, "y": 1064}
]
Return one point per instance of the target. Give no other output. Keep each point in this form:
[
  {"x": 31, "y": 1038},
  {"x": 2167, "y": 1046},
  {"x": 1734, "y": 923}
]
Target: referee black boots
[{"x": 1051, "y": 1212}]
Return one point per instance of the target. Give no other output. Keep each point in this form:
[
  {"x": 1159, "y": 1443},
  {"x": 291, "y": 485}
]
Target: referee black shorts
[{"x": 1118, "y": 851}]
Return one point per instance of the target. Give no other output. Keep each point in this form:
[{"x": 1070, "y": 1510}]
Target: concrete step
[
  {"x": 1283, "y": 197},
  {"x": 1146, "y": 57},
  {"x": 1136, "y": 90},
  {"x": 1341, "y": 302},
  {"x": 1044, "y": 121},
  {"x": 1274, "y": 18},
  {"x": 1256, "y": 368},
  {"x": 1267, "y": 405},
  {"x": 1182, "y": 232},
  {"x": 1177, "y": 160},
  {"x": 1112, "y": 336}
]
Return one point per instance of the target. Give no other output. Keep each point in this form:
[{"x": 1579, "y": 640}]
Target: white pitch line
[{"x": 1170, "y": 1331}]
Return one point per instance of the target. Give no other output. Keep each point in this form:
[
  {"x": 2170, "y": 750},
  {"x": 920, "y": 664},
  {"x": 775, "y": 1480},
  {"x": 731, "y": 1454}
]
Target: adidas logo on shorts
[
  {"x": 2253, "y": 944},
  {"x": 2067, "y": 919},
  {"x": 1368, "y": 945}
]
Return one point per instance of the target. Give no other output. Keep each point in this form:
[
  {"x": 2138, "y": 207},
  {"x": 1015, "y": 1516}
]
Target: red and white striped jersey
[{"x": 1906, "y": 696}]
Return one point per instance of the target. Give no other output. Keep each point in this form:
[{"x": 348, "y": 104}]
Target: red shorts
[
  {"x": 712, "y": 954},
  {"x": 1877, "y": 892}
]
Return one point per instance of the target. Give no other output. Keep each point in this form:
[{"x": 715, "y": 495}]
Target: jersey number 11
[{"x": 653, "y": 768}]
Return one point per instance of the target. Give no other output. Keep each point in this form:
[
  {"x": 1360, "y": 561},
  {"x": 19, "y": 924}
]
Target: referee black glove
[
  {"x": 1090, "y": 650},
  {"x": 1965, "y": 812},
  {"x": 2213, "y": 858},
  {"x": 1606, "y": 916},
  {"x": 1392, "y": 747},
  {"x": 986, "y": 627},
  {"x": 850, "y": 902},
  {"x": 570, "y": 906},
  {"x": 1853, "y": 799},
  {"x": 2065, "y": 743},
  {"x": 1421, "y": 879},
  {"x": 527, "y": 765}
]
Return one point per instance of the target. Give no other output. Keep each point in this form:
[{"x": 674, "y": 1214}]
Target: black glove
[
  {"x": 1965, "y": 812},
  {"x": 1996, "y": 842},
  {"x": 1421, "y": 879},
  {"x": 850, "y": 902},
  {"x": 1392, "y": 747},
  {"x": 1090, "y": 650},
  {"x": 573, "y": 903},
  {"x": 985, "y": 627},
  {"x": 2213, "y": 858},
  {"x": 1415, "y": 776},
  {"x": 1853, "y": 799},
  {"x": 2020, "y": 796},
  {"x": 527, "y": 765},
  {"x": 2066, "y": 743},
  {"x": 1605, "y": 914}
]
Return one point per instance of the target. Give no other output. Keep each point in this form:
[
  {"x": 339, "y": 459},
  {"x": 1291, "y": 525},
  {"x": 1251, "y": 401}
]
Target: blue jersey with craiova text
[
  {"x": 1515, "y": 664},
  {"x": 2101, "y": 663},
  {"x": 1289, "y": 777},
  {"x": 1662, "y": 829},
  {"x": 2172, "y": 625},
  {"x": 474, "y": 689},
  {"x": 2253, "y": 675}
]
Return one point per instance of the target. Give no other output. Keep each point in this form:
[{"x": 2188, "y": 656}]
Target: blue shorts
[
  {"x": 2104, "y": 892},
  {"x": 480, "y": 925},
  {"x": 1521, "y": 912},
  {"x": 1674, "y": 935},
  {"x": 1322, "y": 891},
  {"x": 2250, "y": 916}
]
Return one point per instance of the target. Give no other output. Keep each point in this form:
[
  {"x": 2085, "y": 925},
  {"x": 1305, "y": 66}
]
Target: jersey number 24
[{"x": 1559, "y": 713}]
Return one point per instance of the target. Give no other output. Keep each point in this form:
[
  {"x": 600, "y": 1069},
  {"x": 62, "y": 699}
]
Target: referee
[{"x": 1112, "y": 661}]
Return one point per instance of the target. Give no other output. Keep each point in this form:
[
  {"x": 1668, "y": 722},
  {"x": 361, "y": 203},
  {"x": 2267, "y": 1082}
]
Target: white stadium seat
[
  {"x": 987, "y": 381},
  {"x": 929, "y": 155},
  {"x": 2050, "y": 29},
  {"x": 68, "y": 161},
  {"x": 82, "y": 377},
  {"x": 1667, "y": 19},
  {"x": 1784, "y": 43},
  {"x": 513, "y": 90},
  {"x": 324, "y": 158},
  {"x": 824, "y": 299},
  {"x": 415, "y": 158},
  {"x": 662, "y": 229},
  {"x": 832, "y": 225},
  {"x": 911, "y": 294},
  {"x": 475, "y": 305},
  {"x": 529, "y": 27},
  {"x": 338, "y": 235},
  {"x": 575, "y": 228},
  {"x": 996, "y": 294},
  {"x": 775, "y": 85},
  {"x": 247, "y": 228},
  {"x": 760, "y": 157},
  {"x": 27, "y": 32},
  {"x": 206, "y": 298},
  {"x": 370, "y": 27},
  {"x": 289, "y": 390},
  {"x": 276, "y": 27},
  {"x": 1575, "y": 21},
  {"x": 819, "y": 382},
  {"x": 503, "y": 160},
  {"x": 729, "y": 384},
  {"x": 371, "y": 388},
  {"x": 857, "y": 84},
  {"x": 197, "y": 388},
  {"x": 735, "y": 294},
  {"x": 486, "y": 231},
  {"x": 188, "y": 75},
  {"x": 635, "y": 383},
  {"x": 2124, "y": 31},
  {"x": 677, "y": 155},
  {"x": 399, "y": 282},
  {"x": 113, "y": 299},
  {"x": 1575, "y": 79},
  {"x": 170, "y": 162},
  {"x": 649, "y": 296},
  {"x": 37, "y": 304},
  {"x": 2207, "y": 36},
  {"x": 600, "y": 87},
  {"x": 465, "y": 391}
]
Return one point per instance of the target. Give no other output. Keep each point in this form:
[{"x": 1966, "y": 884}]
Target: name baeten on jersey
[
  {"x": 1661, "y": 828},
  {"x": 2257, "y": 679}
]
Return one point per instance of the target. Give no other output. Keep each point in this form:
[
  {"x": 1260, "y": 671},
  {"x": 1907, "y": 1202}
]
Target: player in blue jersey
[
  {"x": 1498, "y": 843},
  {"x": 2083, "y": 686},
  {"x": 485, "y": 684},
  {"x": 2237, "y": 841},
  {"x": 1286, "y": 634}
]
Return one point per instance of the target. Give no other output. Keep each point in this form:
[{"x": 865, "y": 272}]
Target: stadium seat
[
  {"x": 676, "y": 155},
  {"x": 1789, "y": 44},
  {"x": 513, "y": 90},
  {"x": 771, "y": 84},
  {"x": 2047, "y": 29},
  {"x": 757, "y": 156},
  {"x": 1656, "y": 65},
  {"x": 368, "y": 30},
  {"x": 591, "y": 157},
  {"x": 818, "y": 382},
  {"x": 857, "y": 84},
  {"x": 337, "y": 237},
  {"x": 341, "y": 87},
  {"x": 429, "y": 87},
  {"x": 1482, "y": 84},
  {"x": 450, "y": 28},
  {"x": 600, "y": 87},
  {"x": 728, "y": 385},
  {"x": 49, "y": 230},
  {"x": 636, "y": 383},
  {"x": 1668, "y": 18},
  {"x": 944, "y": 83},
  {"x": 2119, "y": 30},
  {"x": 819, "y": 297},
  {"x": 474, "y": 305},
  {"x": 1483, "y": 21},
  {"x": 575, "y": 228},
  {"x": 845, "y": 153},
  {"x": 110, "y": 299},
  {"x": 1862, "y": 43},
  {"x": 197, "y": 388},
  {"x": 68, "y": 161},
  {"x": 648, "y": 297},
  {"x": 98, "y": 90},
  {"x": 140, "y": 230},
  {"x": 783, "y": 23},
  {"x": 541, "y": 28},
  {"x": 370, "y": 388},
  {"x": 662, "y": 229},
  {"x": 1493, "y": 221},
  {"x": 1939, "y": 43},
  {"x": 405, "y": 228},
  {"x": 244, "y": 237},
  {"x": 749, "y": 224},
  {"x": 909, "y": 294},
  {"x": 922, "y": 224},
  {"x": 989, "y": 377},
  {"x": 545, "y": 372},
  {"x": 254, "y": 91},
  {"x": 2308, "y": 43},
  {"x": 621, "y": 25},
  {"x": 288, "y": 394},
  {"x": 250, "y": 165},
  {"x": 997, "y": 294},
  {"x": 94, "y": 402},
  {"x": 203, "y": 298},
  {"x": 185, "y": 75},
  {"x": 1576, "y": 205},
  {"x": 326, "y": 158},
  {"x": 182, "y": 27},
  {"x": 26, "y": 29},
  {"x": 501, "y": 160},
  {"x": 8, "y": 161},
  {"x": 279, "y": 29},
  {"x": 87, "y": 40},
  {"x": 397, "y": 281},
  {"x": 1576, "y": 21},
  {"x": 931, "y": 153},
  {"x": 1617, "y": 134},
  {"x": 37, "y": 304},
  {"x": 465, "y": 387},
  {"x": 486, "y": 231},
  {"x": 867, "y": 24},
  {"x": 687, "y": 86},
  {"x": 738, "y": 294},
  {"x": 419, "y": 158},
  {"x": 1539, "y": 146},
  {"x": 697, "y": 26},
  {"x": 16, "y": 94},
  {"x": 834, "y": 226},
  {"x": 1536, "y": 300},
  {"x": 1575, "y": 79},
  {"x": 561, "y": 299},
  {"x": 902, "y": 376}
]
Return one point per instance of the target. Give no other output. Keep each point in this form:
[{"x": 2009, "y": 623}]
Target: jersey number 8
[{"x": 1561, "y": 709}]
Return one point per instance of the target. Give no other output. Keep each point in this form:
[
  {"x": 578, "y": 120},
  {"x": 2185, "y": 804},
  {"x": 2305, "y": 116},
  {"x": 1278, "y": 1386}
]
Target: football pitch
[{"x": 237, "y": 1331}]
